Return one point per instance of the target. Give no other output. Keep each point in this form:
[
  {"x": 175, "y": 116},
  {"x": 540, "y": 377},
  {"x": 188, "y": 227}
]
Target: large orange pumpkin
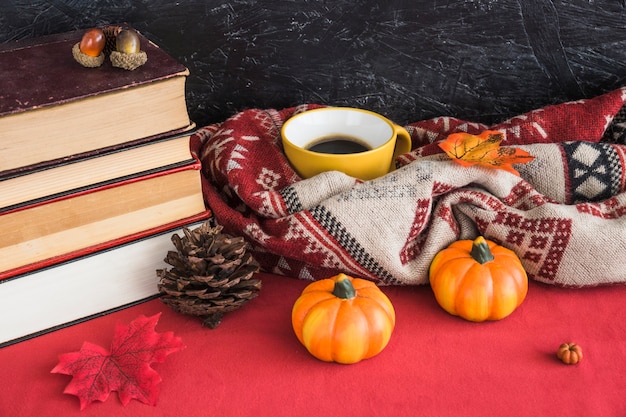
[
  {"x": 343, "y": 319},
  {"x": 478, "y": 280}
]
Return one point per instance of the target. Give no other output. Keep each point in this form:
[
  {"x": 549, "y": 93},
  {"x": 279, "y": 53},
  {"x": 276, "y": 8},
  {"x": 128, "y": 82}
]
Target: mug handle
[{"x": 403, "y": 144}]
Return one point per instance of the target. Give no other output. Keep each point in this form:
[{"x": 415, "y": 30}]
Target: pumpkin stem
[
  {"x": 480, "y": 251},
  {"x": 344, "y": 288}
]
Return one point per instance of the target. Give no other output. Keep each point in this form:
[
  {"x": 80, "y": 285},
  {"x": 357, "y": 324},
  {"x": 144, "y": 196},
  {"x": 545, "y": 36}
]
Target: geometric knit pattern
[
  {"x": 616, "y": 132},
  {"x": 350, "y": 244},
  {"x": 594, "y": 170},
  {"x": 291, "y": 200},
  {"x": 564, "y": 216}
]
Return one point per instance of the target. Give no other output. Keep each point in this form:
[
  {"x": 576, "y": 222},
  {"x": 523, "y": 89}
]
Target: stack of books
[{"x": 96, "y": 174}]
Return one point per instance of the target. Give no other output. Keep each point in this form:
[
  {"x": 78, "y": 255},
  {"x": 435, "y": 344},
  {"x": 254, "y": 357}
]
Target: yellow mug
[{"x": 357, "y": 142}]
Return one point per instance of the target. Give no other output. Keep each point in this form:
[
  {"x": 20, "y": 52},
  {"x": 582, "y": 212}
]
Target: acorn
[
  {"x": 127, "y": 42},
  {"x": 92, "y": 42},
  {"x": 89, "y": 51},
  {"x": 128, "y": 54}
]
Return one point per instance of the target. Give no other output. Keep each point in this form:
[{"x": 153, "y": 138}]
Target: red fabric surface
[{"x": 434, "y": 365}]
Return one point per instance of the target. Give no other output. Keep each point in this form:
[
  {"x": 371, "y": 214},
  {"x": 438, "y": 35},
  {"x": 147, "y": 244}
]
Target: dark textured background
[{"x": 483, "y": 60}]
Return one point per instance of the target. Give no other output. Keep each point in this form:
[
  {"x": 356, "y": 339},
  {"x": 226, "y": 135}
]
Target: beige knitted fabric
[{"x": 565, "y": 216}]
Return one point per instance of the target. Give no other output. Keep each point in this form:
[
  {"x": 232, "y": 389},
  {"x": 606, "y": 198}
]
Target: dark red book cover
[{"x": 40, "y": 72}]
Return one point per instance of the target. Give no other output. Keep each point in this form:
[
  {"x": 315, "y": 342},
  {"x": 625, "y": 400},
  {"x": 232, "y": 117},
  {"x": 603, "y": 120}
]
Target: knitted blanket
[{"x": 565, "y": 216}]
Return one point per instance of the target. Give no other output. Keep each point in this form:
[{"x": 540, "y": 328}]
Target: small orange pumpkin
[
  {"x": 478, "y": 280},
  {"x": 343, "y": 319},
  {"x": 570, "y": 353}
]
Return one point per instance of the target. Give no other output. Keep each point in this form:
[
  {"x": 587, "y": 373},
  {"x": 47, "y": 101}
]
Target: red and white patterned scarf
[{"x": 565, "y": 216}]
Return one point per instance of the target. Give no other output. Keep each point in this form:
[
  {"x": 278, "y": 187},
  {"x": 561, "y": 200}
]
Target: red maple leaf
[{"x": 125, "y": 368}]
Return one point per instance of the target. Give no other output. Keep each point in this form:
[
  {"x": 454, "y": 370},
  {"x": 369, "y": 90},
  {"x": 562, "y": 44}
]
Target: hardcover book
[
  {"x": 86, "y": 286},
  {"x": 52, "y": 107},
  {"x": 74, "y": 175},
  {"x": 41, "y": 233}
]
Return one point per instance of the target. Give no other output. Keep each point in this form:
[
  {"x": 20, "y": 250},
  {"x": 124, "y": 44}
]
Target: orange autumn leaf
[{"x": 484, "y": 150}]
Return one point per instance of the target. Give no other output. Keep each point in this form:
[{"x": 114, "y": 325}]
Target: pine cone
[
  {"x": 211, "y": 275},
  {"x": 110, "y": 34}
]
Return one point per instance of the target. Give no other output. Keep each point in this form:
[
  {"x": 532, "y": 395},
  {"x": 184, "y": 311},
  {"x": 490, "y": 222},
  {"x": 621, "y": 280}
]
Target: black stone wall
[{"x": 484, "y": 60}]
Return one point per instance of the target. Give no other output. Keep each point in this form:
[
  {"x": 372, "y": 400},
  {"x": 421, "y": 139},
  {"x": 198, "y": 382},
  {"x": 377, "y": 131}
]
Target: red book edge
[{"x": 16, "y": 272}]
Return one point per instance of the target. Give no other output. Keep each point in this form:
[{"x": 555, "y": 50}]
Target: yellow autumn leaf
[{"x": 484, "y": 150}]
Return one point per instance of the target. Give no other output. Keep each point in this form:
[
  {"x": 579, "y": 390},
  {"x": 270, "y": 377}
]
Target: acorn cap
[
  {"x": 128, "y": 61},
  {"x": 86, "y": 60}
]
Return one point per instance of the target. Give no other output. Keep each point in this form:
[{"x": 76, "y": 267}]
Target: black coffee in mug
[{"x": 338, "y": 144}]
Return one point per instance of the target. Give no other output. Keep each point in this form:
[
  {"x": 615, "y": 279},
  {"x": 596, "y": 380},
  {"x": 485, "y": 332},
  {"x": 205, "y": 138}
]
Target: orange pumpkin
[
  {"x": 478, "y": 280},
  {"x": 343, "y": 319},
  {"x": 570, "y": 353}
]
